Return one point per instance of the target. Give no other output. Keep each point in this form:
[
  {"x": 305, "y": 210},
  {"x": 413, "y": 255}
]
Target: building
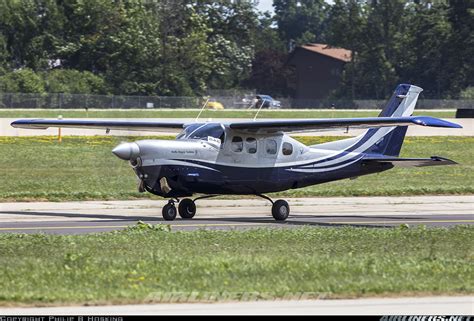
[{"x": 318, "y": 69}]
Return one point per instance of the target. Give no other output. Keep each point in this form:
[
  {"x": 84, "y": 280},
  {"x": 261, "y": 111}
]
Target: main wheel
[
  {"x": 169, "y": 212},
  {"x": 187, "y": 208},
  {"x": 280, "y": 210}
]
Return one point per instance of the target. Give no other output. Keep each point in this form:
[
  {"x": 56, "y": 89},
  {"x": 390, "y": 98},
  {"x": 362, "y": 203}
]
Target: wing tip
[
  {"x": 27, "y": 124},
  {"x": 434, "y": 122}
]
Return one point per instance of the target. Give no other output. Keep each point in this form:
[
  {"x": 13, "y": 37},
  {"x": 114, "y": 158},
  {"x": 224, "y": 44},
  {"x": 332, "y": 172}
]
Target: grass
[
  {"x": 187, "y": 113},
  {"x": 83, "y": 168},
  {"x": 140, "y": 264}
]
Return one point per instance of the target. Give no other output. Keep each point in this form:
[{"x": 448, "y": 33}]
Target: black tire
[
  {"x": 280, "y": 210},
  {"x": 169, "y": 212},
  {"x": 187, "y": 208}
]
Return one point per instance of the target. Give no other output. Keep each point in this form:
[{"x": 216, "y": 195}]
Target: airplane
[{"x": 259, "y": 157}]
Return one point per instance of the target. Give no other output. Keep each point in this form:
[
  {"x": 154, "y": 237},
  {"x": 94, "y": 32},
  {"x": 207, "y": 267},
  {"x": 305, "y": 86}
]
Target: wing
[
  {"x": 248, "y": 126},
  {"x": 100, "y": 124},
  {"x": 410, "y": 162},
  {"x": 303, "y": 125}
]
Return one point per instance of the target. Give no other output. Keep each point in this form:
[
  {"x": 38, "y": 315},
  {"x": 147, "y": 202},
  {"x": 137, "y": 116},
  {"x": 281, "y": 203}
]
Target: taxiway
[{"x": 239, "y": 213}]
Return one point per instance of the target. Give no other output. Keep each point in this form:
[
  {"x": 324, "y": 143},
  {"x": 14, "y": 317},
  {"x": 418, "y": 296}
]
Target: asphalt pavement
[
  {"x": 371, "y": 306},
  {"x": 239, "y": 213}
]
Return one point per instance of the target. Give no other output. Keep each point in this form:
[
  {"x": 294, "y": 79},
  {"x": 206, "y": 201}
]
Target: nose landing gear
[
  {"x": 169, "y": 211},
  {"x": 186, "y": 209}
]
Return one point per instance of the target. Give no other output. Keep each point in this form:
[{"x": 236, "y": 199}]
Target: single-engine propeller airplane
[{"x": 258, "y": 157}]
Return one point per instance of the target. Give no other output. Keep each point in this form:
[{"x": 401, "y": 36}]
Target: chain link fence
[
  {"x": 73, "y": 101},
  {"x": 376, "y": 104},
  {"x": 229, "y": 99}
]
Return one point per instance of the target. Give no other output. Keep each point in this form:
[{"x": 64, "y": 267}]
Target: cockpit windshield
[{"x": 203, "y": 131}]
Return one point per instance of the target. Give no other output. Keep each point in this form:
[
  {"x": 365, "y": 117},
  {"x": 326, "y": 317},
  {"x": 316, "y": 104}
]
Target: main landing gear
[
  {"x": 187, "y": 208},
  {"x": 280, "y": 208}
]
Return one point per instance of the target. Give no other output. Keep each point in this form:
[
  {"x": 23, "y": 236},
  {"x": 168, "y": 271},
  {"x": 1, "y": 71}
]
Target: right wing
[
  {"x": 307, "y": 125},
  {"x": 100, "y": 124}
]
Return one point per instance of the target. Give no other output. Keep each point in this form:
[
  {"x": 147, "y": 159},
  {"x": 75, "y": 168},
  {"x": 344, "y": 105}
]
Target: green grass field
[
  {"x": 83, "y": 168},
  {"x": 177, "y": 113},
  {"x": 143, "y": 265}
]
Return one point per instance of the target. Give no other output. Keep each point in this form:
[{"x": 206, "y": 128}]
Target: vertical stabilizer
[
  {"x": 386, "y": 140},
  {"x": 402, "y": 103}
]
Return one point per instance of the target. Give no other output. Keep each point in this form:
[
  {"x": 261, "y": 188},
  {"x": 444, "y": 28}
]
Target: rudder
[{"x": 401, "y": 104}]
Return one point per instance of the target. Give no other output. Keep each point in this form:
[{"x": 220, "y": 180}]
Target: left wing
[
  {"x": 302, "y": 125},
  {"x": 100, "y": 124}
]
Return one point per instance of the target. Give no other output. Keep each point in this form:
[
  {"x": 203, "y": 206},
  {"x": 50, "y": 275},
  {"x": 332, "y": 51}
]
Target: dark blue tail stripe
[{"x": 395, "y": 100}]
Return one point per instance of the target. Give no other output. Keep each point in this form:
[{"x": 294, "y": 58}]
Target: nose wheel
[{"x": 169, "y": 211}]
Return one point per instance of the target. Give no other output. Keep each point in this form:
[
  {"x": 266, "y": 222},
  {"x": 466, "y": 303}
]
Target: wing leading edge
[
  {"x": 303, "y": 125},
  {"x": 100, "y": 124},
  {"x": 261, "y": 127}
]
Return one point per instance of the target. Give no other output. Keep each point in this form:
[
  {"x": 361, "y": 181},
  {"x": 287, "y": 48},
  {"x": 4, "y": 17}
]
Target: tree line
[{"x": 184, "y": 47}]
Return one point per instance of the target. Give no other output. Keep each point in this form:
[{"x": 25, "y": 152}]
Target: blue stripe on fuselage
[{"x": 237, "y": 180}]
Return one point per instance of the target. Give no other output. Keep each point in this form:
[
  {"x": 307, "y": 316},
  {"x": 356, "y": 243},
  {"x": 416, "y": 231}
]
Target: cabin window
[
  {"x": 202, "y": 131},
  {"x": 237, "y": 144},
  {"x": 271, "y": 146},
  {"x": 287, "y": 149},
  {"x": 251, "y": 145}
]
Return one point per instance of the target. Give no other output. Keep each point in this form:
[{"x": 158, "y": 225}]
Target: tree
[
  {"x": 300, "y": 21},
  {"x": 460, "y": 53},
  {"x": 233, "y": 27},
  {"x": 73, "y": 82},
  {"x": 184, "y": 47},
  {"x": 425, "y": 48},
  {"x": 22, "y": 81},
  {"x": 269, "y": 73},
  {"x": 29, "y": 29},
  {"x": 345, "y": 24}
]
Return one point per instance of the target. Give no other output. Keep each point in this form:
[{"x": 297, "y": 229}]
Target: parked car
[
  {"x": 268, "y": 102},
  {"x": 214, "y": 104}
]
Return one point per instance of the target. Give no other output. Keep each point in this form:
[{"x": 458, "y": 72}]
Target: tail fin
[
  {"x": 402, "y": 103},
  {"x": 386, "y": 140}
]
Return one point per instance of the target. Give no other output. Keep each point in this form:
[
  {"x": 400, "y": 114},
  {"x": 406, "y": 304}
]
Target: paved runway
[
  {"x": 100, "y": 216},
  {"x": 378, "y": 306}
]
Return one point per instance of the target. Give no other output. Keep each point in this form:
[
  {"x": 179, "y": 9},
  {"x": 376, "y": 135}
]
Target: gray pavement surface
[
  {"x": 7, "y": 130},
  {"x": 100, "y": 216},
  {"x": 378, "y": 306}
]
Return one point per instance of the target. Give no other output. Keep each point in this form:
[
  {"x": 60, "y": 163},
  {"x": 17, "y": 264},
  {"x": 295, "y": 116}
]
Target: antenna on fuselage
[
  {"x": 203, "y": 106},
  {"x": 261, "y": 105}
]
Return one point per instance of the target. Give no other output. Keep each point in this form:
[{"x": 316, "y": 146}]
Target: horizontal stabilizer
[{"x": 410, "y": 162}]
